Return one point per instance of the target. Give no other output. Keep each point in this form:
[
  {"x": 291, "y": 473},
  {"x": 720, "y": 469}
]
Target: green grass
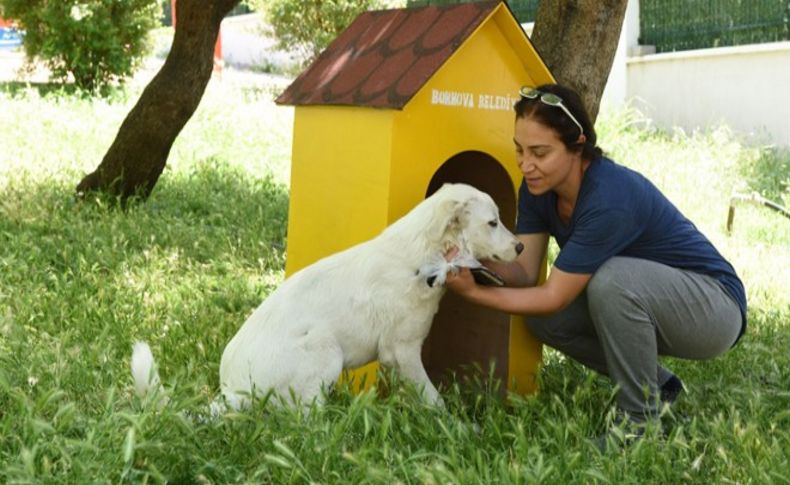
[{"x": 79, "y": 282}]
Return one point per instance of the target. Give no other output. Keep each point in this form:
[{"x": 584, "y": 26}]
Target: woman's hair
[{"x": 555, "y": 118}]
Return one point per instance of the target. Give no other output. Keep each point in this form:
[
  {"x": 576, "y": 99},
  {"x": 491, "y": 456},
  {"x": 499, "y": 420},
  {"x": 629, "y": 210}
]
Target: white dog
[{"x": 375, "y": 300}]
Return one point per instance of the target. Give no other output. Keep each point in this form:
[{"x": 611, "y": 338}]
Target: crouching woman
[{"x": 634, "y": 278}]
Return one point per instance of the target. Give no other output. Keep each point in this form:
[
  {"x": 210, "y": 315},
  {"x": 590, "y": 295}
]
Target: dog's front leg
[{"x": 409, "y": 364}]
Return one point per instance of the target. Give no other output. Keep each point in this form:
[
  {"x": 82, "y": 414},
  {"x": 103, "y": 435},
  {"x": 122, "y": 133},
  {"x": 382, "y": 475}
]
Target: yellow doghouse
[{"x": 401, "y": 102}]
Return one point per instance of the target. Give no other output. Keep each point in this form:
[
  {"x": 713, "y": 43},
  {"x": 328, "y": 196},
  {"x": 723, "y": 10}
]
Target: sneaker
[{"x": 671, "y": 389}]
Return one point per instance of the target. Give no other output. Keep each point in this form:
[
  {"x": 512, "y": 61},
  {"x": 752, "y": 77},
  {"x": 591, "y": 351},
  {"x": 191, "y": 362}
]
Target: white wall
[
  {"x": 244, "y": 44},
  {"x": 615, "y": 92},
  {"x": 746, "y": 87}
]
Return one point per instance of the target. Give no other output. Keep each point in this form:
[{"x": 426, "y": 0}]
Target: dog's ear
[{"x": 449, "y": 217}]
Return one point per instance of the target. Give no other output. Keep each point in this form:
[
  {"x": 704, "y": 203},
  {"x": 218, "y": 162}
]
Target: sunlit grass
[{"x": 79, "y": 282}]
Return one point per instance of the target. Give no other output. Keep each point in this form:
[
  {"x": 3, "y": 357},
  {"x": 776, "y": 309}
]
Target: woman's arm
[{"x": 560, "y": 289}]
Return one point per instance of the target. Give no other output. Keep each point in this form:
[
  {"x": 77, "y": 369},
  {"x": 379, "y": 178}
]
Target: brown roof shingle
[{"x": 384, "y": 57}]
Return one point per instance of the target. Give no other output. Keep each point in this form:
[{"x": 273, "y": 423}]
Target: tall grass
[{"x": 80, "y": 281}]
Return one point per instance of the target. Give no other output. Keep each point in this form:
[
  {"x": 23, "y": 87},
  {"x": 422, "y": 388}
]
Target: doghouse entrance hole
[{"x": 465, "y": 339}]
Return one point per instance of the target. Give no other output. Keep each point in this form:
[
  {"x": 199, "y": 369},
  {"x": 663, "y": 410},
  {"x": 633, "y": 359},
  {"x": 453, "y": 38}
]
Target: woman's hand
[{"x": 461, "y": 282}]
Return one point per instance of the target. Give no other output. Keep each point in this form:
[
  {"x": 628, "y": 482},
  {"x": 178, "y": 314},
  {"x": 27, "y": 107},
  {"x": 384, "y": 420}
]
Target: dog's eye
[{"x": 493, "y": 223}]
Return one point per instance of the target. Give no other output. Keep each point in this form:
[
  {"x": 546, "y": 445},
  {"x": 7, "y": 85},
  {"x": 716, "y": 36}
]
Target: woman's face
[{"x": 542, "y": 157}]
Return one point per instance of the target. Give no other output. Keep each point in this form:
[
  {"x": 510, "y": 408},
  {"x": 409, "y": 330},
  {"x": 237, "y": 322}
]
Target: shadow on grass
[
  {"x": 20, "y": 88},
  {"x": 205, "y": 216},
  {"x": 44, "y": 89}
]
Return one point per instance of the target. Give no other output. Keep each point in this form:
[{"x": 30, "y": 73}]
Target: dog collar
[{"x": 430, "y": 280}]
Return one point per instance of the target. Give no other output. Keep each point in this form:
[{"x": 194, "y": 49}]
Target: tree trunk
[
  {"x": 577, "y": 39},
  {"x": 139, "y": 153}
]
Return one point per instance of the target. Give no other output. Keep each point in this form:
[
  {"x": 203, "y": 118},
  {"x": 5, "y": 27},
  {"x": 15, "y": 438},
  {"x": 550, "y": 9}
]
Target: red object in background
[
  {"x": 5, "y": 23},
  {"x": 218, "y": 62}
]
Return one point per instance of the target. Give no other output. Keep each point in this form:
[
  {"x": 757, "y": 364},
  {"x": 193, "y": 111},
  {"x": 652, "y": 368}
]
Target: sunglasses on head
[{"x": 551, "y": 100}]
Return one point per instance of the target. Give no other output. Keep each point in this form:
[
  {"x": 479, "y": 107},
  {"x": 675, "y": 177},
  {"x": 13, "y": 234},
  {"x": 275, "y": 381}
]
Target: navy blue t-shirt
[{"x": 621, "y": 213}]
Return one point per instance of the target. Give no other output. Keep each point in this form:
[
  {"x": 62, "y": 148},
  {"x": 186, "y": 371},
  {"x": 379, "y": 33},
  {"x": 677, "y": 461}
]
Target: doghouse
[{"x": 401, "y": 102}]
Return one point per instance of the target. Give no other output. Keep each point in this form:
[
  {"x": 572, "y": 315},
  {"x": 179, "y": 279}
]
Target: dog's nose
[{"x": 519, "y": 248}]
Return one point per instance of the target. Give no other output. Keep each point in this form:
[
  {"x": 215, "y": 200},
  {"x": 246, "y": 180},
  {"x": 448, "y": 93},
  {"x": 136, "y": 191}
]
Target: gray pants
[{"x": 634, "y": 310}]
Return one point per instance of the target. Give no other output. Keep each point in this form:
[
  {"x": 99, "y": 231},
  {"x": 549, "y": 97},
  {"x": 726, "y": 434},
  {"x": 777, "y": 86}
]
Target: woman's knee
[{"x": 563, "y": 326}]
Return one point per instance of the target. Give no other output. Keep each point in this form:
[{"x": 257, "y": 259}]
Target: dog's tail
[
  {"x": 147, "y": 382},
  {"x": 144, "y": 373}
]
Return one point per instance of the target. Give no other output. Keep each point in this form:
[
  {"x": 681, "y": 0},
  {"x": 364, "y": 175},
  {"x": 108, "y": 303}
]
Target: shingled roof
[{"x": 384, "y": 57}]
